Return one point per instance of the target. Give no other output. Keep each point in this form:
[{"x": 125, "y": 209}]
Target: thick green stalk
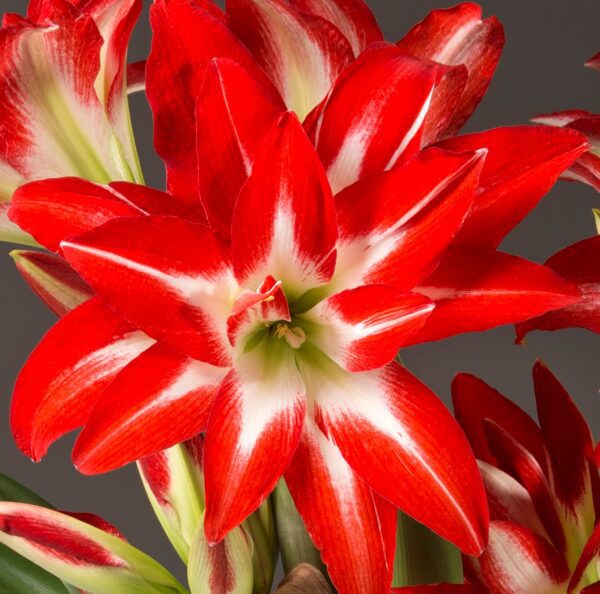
[{"x": 423, "y": 557}]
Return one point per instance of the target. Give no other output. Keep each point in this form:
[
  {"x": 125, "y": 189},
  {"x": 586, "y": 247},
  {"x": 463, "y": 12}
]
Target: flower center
[{"x": 294, "y": 336}]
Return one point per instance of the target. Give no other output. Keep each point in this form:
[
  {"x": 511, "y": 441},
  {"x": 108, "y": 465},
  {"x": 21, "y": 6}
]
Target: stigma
[{"x": 295, "y": 337}]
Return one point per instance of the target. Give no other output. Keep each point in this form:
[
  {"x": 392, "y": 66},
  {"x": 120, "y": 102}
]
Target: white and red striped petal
[
  {"x": 474, "y": 401},
  {"x": 353, "y": 528},
  {"x": 80, "y": 553},
  {"x": 390, "y": 224},
  {"x": 509, "y": 500},
  {"x": 363, "y": 328},
  {"x": 381, "y": 421},
  {"x": 225, "y": 567},
  {"x": 514, "y": 459},
  {"x": 569, "y": 442},
  {"x": 475, "y": 290},
  {"x": 187, "y": 34},
  {"x": 285, "y": 199},
  {"x": 53, "y": 209},
  {"x": 514, "y": 178},
  {"x": 590, "y": 556},
  {"x": 68, "y": 372},
  {"x": 234, "y": 112},
  {"x": 455, "y": 36},
  {"x": 303, "y": 54},
  {"x": 578, "y": 264},
  {"x": 352, "y": 17},
  {"x": 253, "y": 431},
  {"x": 160, "y": 399},
  {"x": 373, "y": 116},
  {"x": 179, "y": 283},
  {"x": 66, "y": 54},
  {"x": 518, "y": 561},
  {"x": 52, "y": 280},
  {"x": 174, "y": 482}
]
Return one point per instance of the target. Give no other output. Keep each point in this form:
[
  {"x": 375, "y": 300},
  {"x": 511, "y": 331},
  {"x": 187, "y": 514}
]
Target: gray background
[{"x": 541, "y": 70}]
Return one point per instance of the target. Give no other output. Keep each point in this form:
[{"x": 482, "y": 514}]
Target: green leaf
[{"x": 11, "y": 490}]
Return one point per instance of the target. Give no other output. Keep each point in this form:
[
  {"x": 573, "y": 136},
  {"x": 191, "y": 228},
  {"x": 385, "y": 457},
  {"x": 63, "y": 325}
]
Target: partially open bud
[
  {"x": 52, "y": 279},
  {"x": 81, "y": 554},
  {"x": 225, "y": 567}
]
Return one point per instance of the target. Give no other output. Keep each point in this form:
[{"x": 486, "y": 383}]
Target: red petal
[
  {"x": 578, "y": 264},
  {"x": 359, "y": 132},
  {"x": 363, "y": 328},
  {"x": 514, "y": 178},
  {"x": 253, "y": 430},
  {"x": 302, "y": 54},
  {"x": 233, "y": 114},
  {"x": 186, "y": 36},
  {"x": 151, "y": 201},
  {"x": 568, "y": 441},
  {"x": 348, "y": 523},
  {"x": 442, "y": 589},
  {"x": 594, "y": 62},
  {"x": 518, "y": 560},
  {"x": 52, "y": 280},
  {"x": 352, "y": 17},
  {"x": 474, "y": 401},
  {"x": 381, "y": 421},
  {"x": 390, "y": 225},
  {"x": 67, "y": 373},
  {"x": 475, "y": 290},
  {"x": 160, "y": 399},
  {"x": 589, "y": 555},
  {"x": 454, "y": 36},
  {"x": 53, "y": 209},
  {"x": 165, "y": 275},
  {"x": 514, "y": 459},
  {"x": 285, "y": 199}
]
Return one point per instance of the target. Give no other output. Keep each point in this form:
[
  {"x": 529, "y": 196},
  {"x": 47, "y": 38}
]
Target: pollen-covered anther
[{"x": 295, "y": 337}]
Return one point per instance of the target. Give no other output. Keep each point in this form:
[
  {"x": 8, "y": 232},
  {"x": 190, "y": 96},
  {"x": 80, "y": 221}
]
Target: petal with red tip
[
  {"x": 233, "y": 113},
  {"x": 514, "y": 459},
  {"x": 303, "y": 54},
  {"x": 381, "y": 422},
  {"x": 476, "y": 290},
  {"x": 454, "y": 36},
  {"x": 178, "y": 280},
  {"x": 351, "y": 526},
  {"x": 390, "y": 225},
  {"x": 67, "y": 373},
  {"x": 474, "y": 401},
  {"x": 508, "y": 499},
  {"x": 514, "y": 178},
  {"x": 174, "y": 78},
  {"x": 568, "y": 441},
  {"x": 518, "y": 561},
  {"x": 352, "y": 17},
  {"x": 253, "y": 430},
  {"x": 285, "y": 199},
  {"x": 359, "y": 132},
  {"x": 79, "y": 553},
  {"x": 363, "y": 328},
  {"x": 52, "y": 279},
  {"x": 160, "y": 399},
  {"x": 9, "y": 231},
  {"x": 578, "y": 264},
  {"x": 52, "y": 209},
  {"x": 225, "y": 567}
]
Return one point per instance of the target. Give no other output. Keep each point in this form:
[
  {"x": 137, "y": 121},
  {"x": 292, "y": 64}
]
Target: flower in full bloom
[
  {"x": 263, "y": 298},
  {"x": 543, "y": 487}
]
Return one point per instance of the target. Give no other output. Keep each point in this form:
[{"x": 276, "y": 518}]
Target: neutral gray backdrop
[{"x": 541, "y": 70}]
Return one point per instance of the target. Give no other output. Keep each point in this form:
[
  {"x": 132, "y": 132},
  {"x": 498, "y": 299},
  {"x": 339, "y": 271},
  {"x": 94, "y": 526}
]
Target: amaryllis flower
[
  {"x": 543, "y": 489},
  {"x": 253, "y": 305},
  {"x": 63, "y": 96}
]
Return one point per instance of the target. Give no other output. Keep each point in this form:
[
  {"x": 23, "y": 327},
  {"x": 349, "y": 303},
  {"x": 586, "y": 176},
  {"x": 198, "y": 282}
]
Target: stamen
[{"x": 295, "y": 337}]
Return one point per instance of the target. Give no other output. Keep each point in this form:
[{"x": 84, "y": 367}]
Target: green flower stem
[
  {"x": 264, "y": 557},
  {"x": 423, "y": 557},
  {"x": 294, "y": 542}
]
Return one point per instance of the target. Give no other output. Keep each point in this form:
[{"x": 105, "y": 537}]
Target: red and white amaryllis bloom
[
  {"x": 263, "y": 299},
  {"x": 63, "y": 96}
]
